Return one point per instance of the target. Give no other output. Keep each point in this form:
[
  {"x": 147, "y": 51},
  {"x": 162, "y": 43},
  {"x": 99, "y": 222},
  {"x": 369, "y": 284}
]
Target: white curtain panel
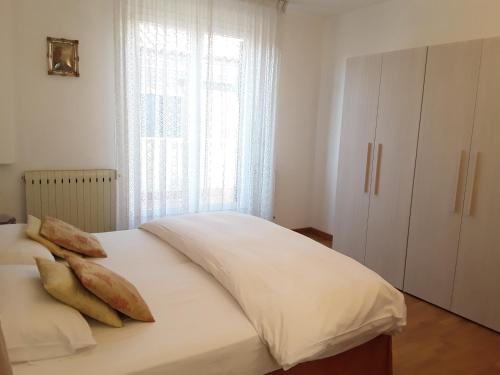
[{"x": 196, "y": 86}]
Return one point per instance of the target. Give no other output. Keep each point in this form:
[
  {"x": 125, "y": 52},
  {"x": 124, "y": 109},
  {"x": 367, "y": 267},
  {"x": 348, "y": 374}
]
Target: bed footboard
[{"x": 371, "y": 358}]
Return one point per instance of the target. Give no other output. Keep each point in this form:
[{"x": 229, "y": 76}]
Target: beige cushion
[
  {"x": 111, "y": 288},
  {"x": 71, "y": 238},
  {"x": 60, "y": 282},
  {"x": 33, "y": 232}
]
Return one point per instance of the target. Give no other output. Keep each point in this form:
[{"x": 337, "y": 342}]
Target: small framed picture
[{"x": 62, "y": 55}]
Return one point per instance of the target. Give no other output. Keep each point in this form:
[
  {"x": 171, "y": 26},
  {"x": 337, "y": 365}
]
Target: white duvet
[{"x": 305, "y": 300}]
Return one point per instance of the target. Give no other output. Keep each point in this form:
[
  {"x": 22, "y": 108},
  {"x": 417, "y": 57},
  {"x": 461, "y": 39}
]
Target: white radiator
[{"x": 84, "y": 198}]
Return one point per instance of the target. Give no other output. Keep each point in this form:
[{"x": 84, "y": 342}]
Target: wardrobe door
[
  {"x": 477, "y": 281},
  {"x": 442, "y": 158},
  {"x": 401, "y": 87},
  {"x": 356, "y": 150}
]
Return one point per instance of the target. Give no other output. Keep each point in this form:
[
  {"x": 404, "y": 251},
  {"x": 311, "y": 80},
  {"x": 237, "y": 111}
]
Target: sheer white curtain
[{"x": 196, "y": 85}]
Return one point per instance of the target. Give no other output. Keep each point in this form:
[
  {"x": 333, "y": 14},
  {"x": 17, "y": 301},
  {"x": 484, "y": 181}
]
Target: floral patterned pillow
[
  {"x": 71, "y": 238},
  {"x": 33, "y": 232},
  {"x": 111, "y": 288}
]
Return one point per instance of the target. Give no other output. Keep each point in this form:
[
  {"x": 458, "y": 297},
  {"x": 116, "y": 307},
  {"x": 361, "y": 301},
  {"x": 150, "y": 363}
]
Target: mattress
[{"x": 199, "y": 328}]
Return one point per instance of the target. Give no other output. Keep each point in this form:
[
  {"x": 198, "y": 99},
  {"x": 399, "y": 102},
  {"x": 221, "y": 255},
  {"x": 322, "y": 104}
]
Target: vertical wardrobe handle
[
  {"x": 454, "y": 206},
  {"x": 473, "y": 184},
  {"x": 377, "y": 171},
  {"x": 367, "y": 168}
]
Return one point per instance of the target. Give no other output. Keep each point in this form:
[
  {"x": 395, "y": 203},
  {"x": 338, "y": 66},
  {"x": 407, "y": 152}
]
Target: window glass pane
[{"x": 164, "y": 63}]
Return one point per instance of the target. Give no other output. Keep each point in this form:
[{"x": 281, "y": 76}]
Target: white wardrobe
[
  {"x": 421, "y": 204},
  {"x": 381, "y": 117},
  {"x": 441, "y": 172}
]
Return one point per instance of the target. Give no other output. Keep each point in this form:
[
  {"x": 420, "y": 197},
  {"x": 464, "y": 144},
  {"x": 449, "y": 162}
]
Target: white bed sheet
[{"x": 199, "y": 329}]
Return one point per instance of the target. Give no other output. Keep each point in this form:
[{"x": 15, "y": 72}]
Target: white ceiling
[{"x": 332, "y": 6}]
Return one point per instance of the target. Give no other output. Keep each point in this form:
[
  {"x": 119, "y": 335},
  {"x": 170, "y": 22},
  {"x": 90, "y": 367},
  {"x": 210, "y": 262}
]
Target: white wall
[
  {"x": 65, "y": 122},
  {"x": 61, "y": 122},
  {"x": 300, "y": 41},
  {"x": 7, "y": 133},
  {"x": 388, "y": 26}
]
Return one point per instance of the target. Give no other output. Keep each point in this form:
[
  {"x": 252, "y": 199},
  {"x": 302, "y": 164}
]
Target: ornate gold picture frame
[{"x": 62, "y": 55}]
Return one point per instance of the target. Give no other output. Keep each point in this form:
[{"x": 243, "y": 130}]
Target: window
[
  {"x": 165, "y": 123},
  {"x": 195, "y": 107},
  {"x": 162, "y": 116}
]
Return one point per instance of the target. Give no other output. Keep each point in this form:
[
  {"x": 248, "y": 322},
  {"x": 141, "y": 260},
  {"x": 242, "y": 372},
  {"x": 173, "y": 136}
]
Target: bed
[{"x": 200, "y": 326}]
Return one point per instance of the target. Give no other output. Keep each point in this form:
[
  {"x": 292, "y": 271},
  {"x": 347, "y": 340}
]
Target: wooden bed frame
[
  {"x": 372, "y": 358},
  {"x": 5, "y": 368}
]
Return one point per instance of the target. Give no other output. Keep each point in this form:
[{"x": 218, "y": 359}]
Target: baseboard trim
[{"x": 314, "y": 232}]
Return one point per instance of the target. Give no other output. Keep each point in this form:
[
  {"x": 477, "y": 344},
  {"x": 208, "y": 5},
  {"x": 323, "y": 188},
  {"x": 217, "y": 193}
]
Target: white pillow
[
  {"x": 23, "y": 252},
  {"x": 17, "y": 248},
  {"x": 10, "y": 233},
  {"x": 35, "y": 325}
]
